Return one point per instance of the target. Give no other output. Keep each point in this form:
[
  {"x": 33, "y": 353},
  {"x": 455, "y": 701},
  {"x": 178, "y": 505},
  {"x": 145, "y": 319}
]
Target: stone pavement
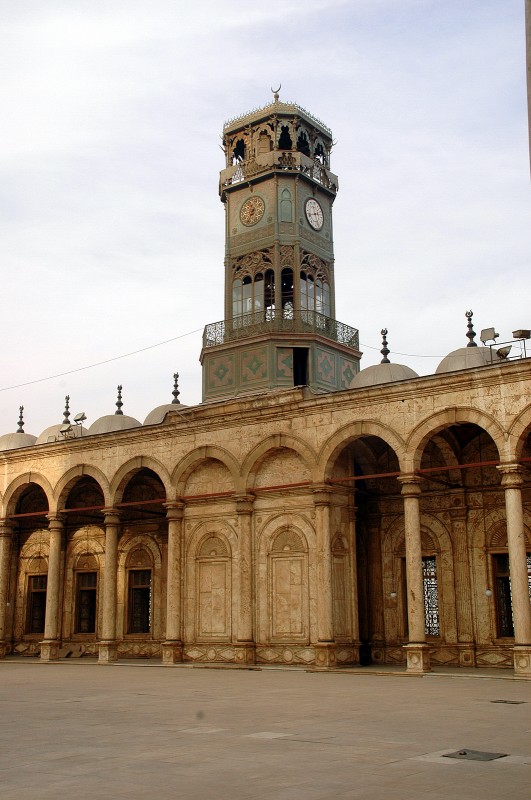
[{"x": 142, "y": 730}]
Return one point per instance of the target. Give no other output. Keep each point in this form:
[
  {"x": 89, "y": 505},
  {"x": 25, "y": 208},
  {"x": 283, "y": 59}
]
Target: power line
[
  {"x": 396, "y": 353},
  {"x": 99, "y": 363}
]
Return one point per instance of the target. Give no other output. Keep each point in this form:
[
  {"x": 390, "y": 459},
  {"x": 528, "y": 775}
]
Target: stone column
[
  {"x": 354, "y": 582},
  {"x": 6, "y": 537},
  {"x": 245, "y": 650},
  {"x": 376, "y": 603},
  {"x": 512, "y": 480},
  {"x": 107, "y": 650},
  {"x": 325, "y": 649},
  {"x": 417, "y": 651},
  {"x": 463, "y": 594},
  {"x": 50, "y": 644},
  {"x": 172, "y": 648}
]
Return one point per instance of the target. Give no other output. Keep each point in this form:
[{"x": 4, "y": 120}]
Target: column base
[
  {"x": 172, "y": 652},
  {"x": 325, "y": 656},
  {"x": 522, "y": 661},
  {"x": 417, "y": 658},
  {"x": 107, "y": 652},
  {"x": 467, "y": 655},
  {"x": 3, "y": 649},
  {"x": 245, "y": 653},
  {"x": 49, "y": 650}
]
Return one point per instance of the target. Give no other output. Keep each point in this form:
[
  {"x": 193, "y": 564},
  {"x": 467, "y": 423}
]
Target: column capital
[
  {"x": 410, "y": 483},
  {"x": 512, "y": 475},
  {"x": 55, "y": 521},
  {"x": 174, "y": 509},
  {"x": 458, "y": 514},
  {"x": 244, "y": 503},
  {"x": 6, "y": 528},
  {"x": 321, "y": 494},
  {"x": 111, "y": 516}
]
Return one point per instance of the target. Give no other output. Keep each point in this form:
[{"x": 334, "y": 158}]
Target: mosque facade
[{"x": 306, "y": 512}]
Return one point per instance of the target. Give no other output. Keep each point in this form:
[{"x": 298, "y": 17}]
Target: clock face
[
  {"x": 252, "y": 211},
  {"x": 314, "y": 214}
]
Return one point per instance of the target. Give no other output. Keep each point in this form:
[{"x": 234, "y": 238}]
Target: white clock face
[
  {"x": 314, "y": 214},
  {"x": 252, "y": 211}
]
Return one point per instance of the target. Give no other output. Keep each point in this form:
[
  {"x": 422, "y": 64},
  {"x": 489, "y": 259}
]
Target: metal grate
[
  {"x": 510, "y": 702},
  {"x": 474, "y": 755}
]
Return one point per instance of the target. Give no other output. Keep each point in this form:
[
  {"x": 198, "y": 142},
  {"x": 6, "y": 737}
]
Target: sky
[{"x": 111, "y": 227}]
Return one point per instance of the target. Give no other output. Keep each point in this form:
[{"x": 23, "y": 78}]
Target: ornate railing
[{"x": 279, "y": 321}]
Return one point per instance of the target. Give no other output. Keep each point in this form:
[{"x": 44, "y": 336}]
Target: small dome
[
  {"x": 12, "y": 441},
  {"x": 382, "y": 373},
  {"x": 113, "y": 422},
  {"x": 158, "y": 414},
  {"x": 465, "y": 358},
  {"x": 53, "y": 433}
]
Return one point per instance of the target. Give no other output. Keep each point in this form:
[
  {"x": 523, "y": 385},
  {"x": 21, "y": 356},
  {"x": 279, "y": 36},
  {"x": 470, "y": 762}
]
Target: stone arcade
[{"x": 306, "y": 512}]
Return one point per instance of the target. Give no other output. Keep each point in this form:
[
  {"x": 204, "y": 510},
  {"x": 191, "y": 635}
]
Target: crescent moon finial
[{"x": 275, "y": 92}]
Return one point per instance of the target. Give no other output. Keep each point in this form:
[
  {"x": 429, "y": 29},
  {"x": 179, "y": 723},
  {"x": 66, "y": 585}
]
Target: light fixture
[
  {"x": 392, "y": 595},
  {"x": 488, "y": 334},
  {"x": 488, "y": 592},
  {"x": 65, "y": 429},
  {"x": 503, "y": 352},
  {"x": 80, "y": 418},
  {"x": 522, "y": 333}
]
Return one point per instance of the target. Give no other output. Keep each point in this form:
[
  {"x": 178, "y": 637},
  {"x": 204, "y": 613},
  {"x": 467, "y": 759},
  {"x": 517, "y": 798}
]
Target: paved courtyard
[{"x": 79, "y": 730}]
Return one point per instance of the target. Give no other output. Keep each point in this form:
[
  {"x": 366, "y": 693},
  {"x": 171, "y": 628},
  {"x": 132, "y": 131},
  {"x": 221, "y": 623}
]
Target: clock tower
[{"x": 279, "y": 327}]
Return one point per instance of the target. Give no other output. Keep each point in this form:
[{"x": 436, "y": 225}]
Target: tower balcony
[{"x": 280, "y": 321}]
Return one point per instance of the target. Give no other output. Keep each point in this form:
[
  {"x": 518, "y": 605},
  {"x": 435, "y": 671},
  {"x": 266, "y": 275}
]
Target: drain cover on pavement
[
  {"x": 474, "y": 755},
  {"x": 510, "y": 702}
]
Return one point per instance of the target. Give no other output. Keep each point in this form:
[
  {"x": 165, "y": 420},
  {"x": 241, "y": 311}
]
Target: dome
[
  {"x": 53, "y": 433},
  {"x": 12, "y": 441},
  {"x": 158, "y": 414},
  {"x": 465, "y": 358},
  {"x": 112, "y": 423},
  {"x": 382, "y": 373}
]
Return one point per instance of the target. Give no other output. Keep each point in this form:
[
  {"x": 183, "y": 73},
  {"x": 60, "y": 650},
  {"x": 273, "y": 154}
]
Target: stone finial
[
  {"x": 66, "y": 412},
  {"x": 119, "y": 403},
  {"x": 471, "y": 335},
  {"x": 276, "y": 93},
  {"x": 176, "y": 391},
  {"x": 20, "y": 428},
  {"x": 385, "y": 350}
]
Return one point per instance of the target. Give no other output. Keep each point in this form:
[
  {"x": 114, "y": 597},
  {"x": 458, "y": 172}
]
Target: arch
[
  {"x": 425, "y": 430},
  {"x": 126, "y": 471},
  {"x": 349, "y": 433},
  {"x": 16, "y": 486},
  {"x": 141, "y": 543},
  {"x": 519, "y": 430},
  {"x": 186, "y": 466},
  {"x": 67, "y": 481},
  {"x": 277, "y": 441}
]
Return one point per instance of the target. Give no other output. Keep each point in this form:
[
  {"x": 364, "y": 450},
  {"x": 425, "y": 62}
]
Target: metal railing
[{"x": 279, "y": 321}]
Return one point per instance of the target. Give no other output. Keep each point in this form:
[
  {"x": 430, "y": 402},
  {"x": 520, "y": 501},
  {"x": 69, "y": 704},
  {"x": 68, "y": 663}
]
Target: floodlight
[
  {"x": 522, "y": 333},
  {"x": 503, "y": 352},
  {"x": 488, "y": 334},
  {"x": 79, "y": 418},
  {"x": 66, "y": 428}
]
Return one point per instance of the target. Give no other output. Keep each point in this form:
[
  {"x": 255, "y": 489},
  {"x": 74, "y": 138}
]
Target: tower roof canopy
[{"x": 277, "y": 108}]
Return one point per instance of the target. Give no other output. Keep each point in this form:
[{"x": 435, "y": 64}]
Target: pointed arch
[
  {"x": 347, "y": 434},
  {"x": 274, "y": 442},
  {"x": 519, "y": 430},
  {"x": 67, "y": 481},
  {"x": 122, "y": 476},
  {"x": 19, "y": 483},
  {"x": 425, "y": 430}
]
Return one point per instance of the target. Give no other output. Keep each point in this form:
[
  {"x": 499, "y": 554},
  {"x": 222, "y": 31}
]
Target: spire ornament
[
  {"x": 471, "y": 335},
  {"x": 176, "y": 391},
  {"x": 20, "y": 428},
  {"x": 385, "y": 350},
  {"x": 119, "y": 403},
  {"x": 275, "y": 92},
  {"x": 66, "y": 412}
]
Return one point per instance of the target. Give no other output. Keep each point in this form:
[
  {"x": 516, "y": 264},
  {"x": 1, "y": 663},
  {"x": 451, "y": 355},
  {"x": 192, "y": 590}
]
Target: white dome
[
  {"x": 158, "y": 414},
  {"x": 12, "y": 441},
  {"x": 465, "y": 358},
  {"x": 113, "y": 422},
  {"x": 53, "y": 433},
  {"x": 382, "y": 373}
]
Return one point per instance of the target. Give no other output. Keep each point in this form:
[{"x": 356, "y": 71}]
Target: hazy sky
[{"x": 111, "y": 228}]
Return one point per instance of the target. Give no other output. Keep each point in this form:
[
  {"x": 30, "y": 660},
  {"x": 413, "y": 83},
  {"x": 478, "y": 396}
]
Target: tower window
[
  {"x": 287, "y": 293},
  {"x": 284, "y": 141},
  {"x": 320, "y": 154},
  {"x": 238, "y": 154},
  {"x": 303, "y": 144}
]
